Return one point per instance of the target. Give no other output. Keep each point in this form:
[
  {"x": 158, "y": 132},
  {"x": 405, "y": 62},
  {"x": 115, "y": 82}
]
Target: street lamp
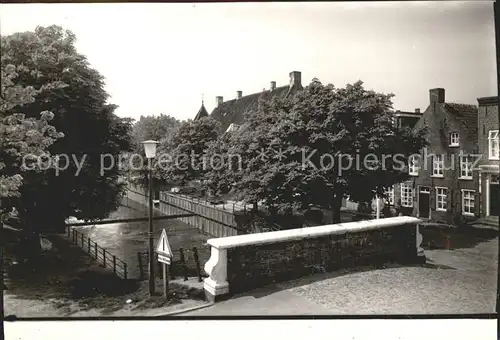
[{"x": 150, "y": 150}]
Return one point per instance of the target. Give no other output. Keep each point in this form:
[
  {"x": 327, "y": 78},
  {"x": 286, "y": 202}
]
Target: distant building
[
  {"x": 231, "y": 113},
  {"x": 442, "y": 186},
  {"x": 202, "y": 112},
  {"x": 406, "y": 119},
  {"x": 488, "y": 142}
]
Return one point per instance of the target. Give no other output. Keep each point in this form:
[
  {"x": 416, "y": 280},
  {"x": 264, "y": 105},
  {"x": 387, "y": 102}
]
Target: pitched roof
[
  {"x": 233, "y": 111},
  {"x": 201, "y": 113},
  {"x": 466, "y": 114}
]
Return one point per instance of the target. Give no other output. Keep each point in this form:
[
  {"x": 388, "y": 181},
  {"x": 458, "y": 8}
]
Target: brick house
[
  {"x": 488, "y": 166},
  {"x": 231, "y": 113},
  {"x": 442, "y": 186}
]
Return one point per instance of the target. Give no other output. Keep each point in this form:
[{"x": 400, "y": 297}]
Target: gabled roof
[
  {"x": 233, "y": 111},
  {"x": 466, "y": 115},
  {"x": 201, "y": 113}
]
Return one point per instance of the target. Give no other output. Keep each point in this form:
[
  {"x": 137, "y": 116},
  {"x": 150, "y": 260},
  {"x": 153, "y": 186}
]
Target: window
[
  {"x": 441, "y": 194},
  {"x": 413, "y": 165},
  {"x": 406, "y": 195},
  {"x": 493, "y": 144},
  {"x": 468, "y": 202},
  {"x": 232, "y": 127},
  {"x": 438, "y": 166},
  {"x": 465, "y": 167},
  {"x": 454, "y": 140},
  {"x": 390, "y": 195}
]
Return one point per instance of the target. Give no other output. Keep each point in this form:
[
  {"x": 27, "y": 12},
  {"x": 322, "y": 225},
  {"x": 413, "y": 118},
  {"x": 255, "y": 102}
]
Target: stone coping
[{"x": 310, "y": 232}]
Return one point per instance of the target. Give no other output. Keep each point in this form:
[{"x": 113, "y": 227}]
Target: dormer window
[
  {"x": 232, "y": 127},
  {"x": 454, "y": 139}
]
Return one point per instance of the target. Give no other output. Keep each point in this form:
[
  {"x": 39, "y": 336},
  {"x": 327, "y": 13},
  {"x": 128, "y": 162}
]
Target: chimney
[
  {"x": 417, "y": 110},
  {"x": 295, "y": 80},
  {"x": 238, "y": 94},
  {"x": 273, "y": 85},
  {"x": 218, "y": 101},
  {"x": 436, "y": 95}
]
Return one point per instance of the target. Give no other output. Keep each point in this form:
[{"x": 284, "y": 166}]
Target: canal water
[{"x": 124, "y": 240}]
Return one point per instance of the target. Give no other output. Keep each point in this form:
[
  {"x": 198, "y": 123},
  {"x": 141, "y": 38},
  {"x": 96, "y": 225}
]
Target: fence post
[
  {"x": 69, "y": 231},
  {"x": 82, "y": 241},
  {"x": 88, "y": 244},
  {"x": 197, "y": 261},
  {"x": 141, "y": 269},
  {"x": 74, "y": 236},
  {"x": 183, "y": 263},
  {"x": 104, "y": 257},
  {"x": 114, "y": 264},
  {"x": 95, "y": 249},
  {"x": 124, "y": 270}
]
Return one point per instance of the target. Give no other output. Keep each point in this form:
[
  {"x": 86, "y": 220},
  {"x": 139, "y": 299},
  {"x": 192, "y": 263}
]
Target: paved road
[{"x": 454, "y": 281}]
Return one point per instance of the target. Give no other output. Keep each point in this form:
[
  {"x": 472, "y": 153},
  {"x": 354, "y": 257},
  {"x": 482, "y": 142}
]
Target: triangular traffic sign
[{"x": 163, "y": 246}]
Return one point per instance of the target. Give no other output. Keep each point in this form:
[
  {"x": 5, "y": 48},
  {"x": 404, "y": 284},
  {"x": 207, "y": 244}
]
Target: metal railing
[{"x": 99, "y": 254}]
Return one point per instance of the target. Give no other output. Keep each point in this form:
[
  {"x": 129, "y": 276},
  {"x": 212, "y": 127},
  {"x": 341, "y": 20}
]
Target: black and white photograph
[{"x": 208, "y": 160}]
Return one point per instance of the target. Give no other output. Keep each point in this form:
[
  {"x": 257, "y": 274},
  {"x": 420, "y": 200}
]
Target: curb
[{"x": 185, "y": 310}]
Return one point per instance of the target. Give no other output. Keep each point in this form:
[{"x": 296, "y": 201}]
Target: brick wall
[
  {"x": 440, "y": 126},
  {"x": 253, "y": 266},
  {"x": 487, "y": 120}
]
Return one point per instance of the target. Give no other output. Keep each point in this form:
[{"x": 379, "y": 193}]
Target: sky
[{"x": 163, "y": 58}]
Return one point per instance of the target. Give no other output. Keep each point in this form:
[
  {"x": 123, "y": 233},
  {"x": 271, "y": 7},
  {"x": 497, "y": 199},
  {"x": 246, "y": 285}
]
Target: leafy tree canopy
[
  {"x": 295, "y": 152},
  {"x": 46, "y": 60}
]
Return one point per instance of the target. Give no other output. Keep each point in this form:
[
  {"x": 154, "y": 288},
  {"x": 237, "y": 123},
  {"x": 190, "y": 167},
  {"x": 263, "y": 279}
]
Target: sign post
[{"x": 165, "y": 257}]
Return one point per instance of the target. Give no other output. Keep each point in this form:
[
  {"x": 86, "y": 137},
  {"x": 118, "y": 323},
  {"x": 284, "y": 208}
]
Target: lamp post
[{"x": 150, "y": 150}]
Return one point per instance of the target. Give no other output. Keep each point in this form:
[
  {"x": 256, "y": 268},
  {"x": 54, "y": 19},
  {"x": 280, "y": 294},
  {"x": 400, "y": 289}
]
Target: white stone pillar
[
  {"x": 419, "y": 239},
  {"x": 216, "y": 284}
]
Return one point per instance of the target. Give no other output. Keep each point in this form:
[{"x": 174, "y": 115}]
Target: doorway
[
  {"x": 424, "y": 202},
  {"x": 494, "y": 193}
]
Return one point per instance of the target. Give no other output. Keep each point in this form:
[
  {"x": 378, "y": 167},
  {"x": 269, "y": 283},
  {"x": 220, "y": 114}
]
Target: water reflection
[{"x": 124, "y": 240}]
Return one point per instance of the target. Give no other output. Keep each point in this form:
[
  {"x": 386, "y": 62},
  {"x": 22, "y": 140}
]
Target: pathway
[{"x": 454, "y": 281}]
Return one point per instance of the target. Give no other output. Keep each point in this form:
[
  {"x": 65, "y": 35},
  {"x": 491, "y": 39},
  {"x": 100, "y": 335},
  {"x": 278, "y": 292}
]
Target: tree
[
  {"x": 161, "y": 128},
  {"x": 21, "y": 137},
  {"x": 47, "y": 60},
  {"x": 296, "y": 152},
  {"x": 188, "y": 157}
]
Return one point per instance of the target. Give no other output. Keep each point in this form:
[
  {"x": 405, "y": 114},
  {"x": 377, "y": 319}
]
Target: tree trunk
[{"x": 336, "y": 205}]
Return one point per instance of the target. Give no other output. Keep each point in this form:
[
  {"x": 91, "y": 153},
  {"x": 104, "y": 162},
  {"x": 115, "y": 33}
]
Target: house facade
[
  {"x": 442, "y": 186},
  {"x": 488, "y": 167}
]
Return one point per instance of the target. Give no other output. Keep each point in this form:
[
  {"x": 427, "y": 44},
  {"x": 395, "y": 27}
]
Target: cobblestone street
[{"x": 452, "y": 282}]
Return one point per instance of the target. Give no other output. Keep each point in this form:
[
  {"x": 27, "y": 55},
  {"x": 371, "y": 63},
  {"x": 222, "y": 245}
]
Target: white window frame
[
  {"x": 444, "y": 201},
  {"x": 390, "y": 195},
  {"x": 438, "y": 164},
  {"x": 471, "y": 199},
  {"x": 465, "y": 167},
  {"x": 413, "y": 165},
  {"x": 407, "y": 190},
  {"x": 493, "y": 145},
  {"x": 454, "y": 139}
]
